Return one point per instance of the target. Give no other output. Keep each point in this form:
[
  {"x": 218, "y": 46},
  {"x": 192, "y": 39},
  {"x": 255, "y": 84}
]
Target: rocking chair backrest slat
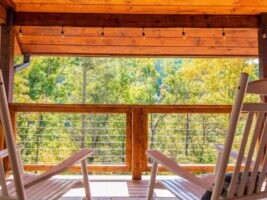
[
  {"x": 245, "y": 145},
  {"x": 260, "y": 154},
  {"x": 219, "y": 179},
  {"x": 10, "y": 140},
  {"x": 233, "y": 184},
  {"x": 247, "y": 179},
  {"x": 262, "y": 175},
  {"x": 251, "y": 150}
]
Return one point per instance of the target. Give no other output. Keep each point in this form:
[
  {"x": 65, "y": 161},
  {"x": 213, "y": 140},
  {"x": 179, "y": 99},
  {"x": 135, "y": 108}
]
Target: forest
[{"x": 187, "y": 138}]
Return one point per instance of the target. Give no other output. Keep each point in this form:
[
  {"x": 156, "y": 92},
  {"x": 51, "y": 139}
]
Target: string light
[
  {"x": 223, "y": 34},
  {"x": 62, "y": 32},
  {"x": 183, "y": 33},
  {"x": 20, "y": 32},
  {"x": 143, "y": 32},
  {"x": 102, "y": 34}
]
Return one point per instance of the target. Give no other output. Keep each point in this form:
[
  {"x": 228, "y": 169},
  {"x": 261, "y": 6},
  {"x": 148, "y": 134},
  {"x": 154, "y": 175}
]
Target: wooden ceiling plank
[
  {"x": 141, "y": 51},
  {"x": 150, "y": 2},
  {"x": 2, "y": 15},
  {"x": 164, "y": 9},
  {"x": 135, "y": 20},
  {"x": 131, "y": 2},
  {"x": 137, "y": 32},
  {"x": 126, "y": 41}
]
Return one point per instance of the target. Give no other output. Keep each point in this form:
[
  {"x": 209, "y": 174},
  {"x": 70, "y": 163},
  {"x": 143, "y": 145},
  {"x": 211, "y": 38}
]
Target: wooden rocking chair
[
  {"x": 27, "y": 186},
  {"x": 247, "y": 181}
]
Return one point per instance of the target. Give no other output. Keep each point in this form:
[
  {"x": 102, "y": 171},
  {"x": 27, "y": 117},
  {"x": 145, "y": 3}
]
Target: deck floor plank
[{"x": 119, "y": 189}]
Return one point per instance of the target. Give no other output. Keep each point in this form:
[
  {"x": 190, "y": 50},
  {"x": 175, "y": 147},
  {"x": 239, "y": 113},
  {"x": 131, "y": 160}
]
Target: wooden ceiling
[
  {"x": 240, "y": 7},
  {"x": 130, "y": 41},
  {"x": 138, "y": 27}
]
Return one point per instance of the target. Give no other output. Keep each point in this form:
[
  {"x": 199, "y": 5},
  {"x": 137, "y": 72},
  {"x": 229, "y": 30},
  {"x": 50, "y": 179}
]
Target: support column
[
  {"x": 7, "y": 66},
  {"x": 137, "y": 146},
  {"x": 7, "y": 53}
]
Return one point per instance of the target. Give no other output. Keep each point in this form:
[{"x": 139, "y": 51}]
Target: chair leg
[
  {"x": 86, "y": 180},
  {"x": 154, "y": 171}
]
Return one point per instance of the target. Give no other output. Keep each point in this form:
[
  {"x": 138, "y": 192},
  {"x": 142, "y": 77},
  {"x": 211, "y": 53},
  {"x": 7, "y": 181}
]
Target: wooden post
[
  {"x": 7, "y": 54},
  {"x": 6, "y": 65},
  {"x": 129, "y": 134},
  {"x": 137, "y": 143},
  {"x": 145, "y": 140}
]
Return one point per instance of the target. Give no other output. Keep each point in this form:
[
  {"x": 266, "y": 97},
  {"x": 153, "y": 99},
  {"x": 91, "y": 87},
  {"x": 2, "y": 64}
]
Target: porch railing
[{"x": 119, "y": 134}]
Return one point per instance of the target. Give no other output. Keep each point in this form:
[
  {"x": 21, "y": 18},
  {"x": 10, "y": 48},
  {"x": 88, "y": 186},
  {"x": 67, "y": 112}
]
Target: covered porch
[{"x": 128, "y": 28}]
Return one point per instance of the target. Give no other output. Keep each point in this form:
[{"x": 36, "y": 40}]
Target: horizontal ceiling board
[
  {"x": 151, "y": 2},
  {"x": 189, "y": 8},
  {"x": 141, "y": 41},
  {"x": 136, "y": 32},
  {"x": 135, "y": 20},
  {"x": 145, "y": 3},
  {"x": 141, "y": 51},
  {"x": 157, "y": 41}
]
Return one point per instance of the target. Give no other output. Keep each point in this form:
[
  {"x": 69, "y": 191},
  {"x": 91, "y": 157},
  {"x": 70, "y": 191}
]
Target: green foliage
[{"x": 187, "y": 138}]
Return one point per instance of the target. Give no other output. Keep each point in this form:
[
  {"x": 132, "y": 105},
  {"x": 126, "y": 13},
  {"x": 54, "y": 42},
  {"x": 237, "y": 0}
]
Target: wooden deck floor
[{"x": 118, "y": 188}]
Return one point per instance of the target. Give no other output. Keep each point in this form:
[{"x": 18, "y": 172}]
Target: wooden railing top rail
[{"x": 117, "y": 108}]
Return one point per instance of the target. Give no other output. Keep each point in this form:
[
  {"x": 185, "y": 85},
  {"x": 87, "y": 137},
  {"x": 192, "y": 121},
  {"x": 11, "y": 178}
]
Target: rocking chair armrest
[
  {"x": 173, "y": 167},
  {"x": 61, "y": 167},
  {"x": 4, "y": 153}
]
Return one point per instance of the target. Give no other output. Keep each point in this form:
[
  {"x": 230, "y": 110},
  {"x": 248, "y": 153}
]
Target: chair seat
[
  {"x": 48, "y": 189},
  {"x": 184, "y": 189}
]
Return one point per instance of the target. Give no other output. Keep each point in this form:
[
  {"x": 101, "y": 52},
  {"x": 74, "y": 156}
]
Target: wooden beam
[
  {"x": 7, "y": 54},
  {"x": 147, "y": 2},
  {"x": 259, "y": 3},
  {"x": 135, "y": 20},
  {"x": 138, "y": 51},
  {"x": 137, "y": 32},
  {"x": 142, "y": 7},
  {"x": 138, "y": 41},
  {"x": 2, "y": 15}
]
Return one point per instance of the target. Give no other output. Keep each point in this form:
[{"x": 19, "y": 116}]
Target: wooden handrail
[
  {"x": 118, "y": 108},
  {"x": 136, "y": 129}
]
